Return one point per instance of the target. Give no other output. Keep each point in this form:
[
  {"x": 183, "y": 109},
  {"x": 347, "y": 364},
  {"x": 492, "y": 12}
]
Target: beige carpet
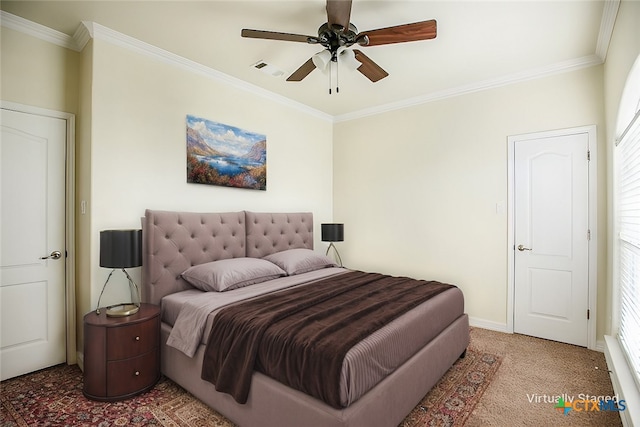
[{"x": 534, "y": 368}]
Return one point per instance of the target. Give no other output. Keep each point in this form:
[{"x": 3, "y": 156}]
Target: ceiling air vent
[{"x": 268, "y": 69}]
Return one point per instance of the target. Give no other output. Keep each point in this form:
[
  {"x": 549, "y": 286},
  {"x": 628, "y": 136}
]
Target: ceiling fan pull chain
[{"x": 330, "y": 66}]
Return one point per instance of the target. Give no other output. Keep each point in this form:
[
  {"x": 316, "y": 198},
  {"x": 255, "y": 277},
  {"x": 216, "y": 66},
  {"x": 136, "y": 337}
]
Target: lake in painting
[{"x": 219, "y": 154}]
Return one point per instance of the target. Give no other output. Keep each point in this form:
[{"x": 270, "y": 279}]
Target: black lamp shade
[
  {"x": 120, "y": 248},
  {"x": 332, "y": 232}
]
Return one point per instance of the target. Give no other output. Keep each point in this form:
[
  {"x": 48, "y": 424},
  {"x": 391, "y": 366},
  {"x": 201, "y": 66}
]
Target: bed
[{"x": 174, "y": 242}]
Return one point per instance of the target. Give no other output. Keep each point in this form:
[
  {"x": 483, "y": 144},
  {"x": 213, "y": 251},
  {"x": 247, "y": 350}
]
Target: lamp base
[
  {"x": 122, "y": 310},
  {"x": 331, "y": 245}
]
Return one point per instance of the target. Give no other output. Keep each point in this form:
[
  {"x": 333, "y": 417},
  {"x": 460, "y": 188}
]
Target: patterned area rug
[
  {"x": 452, "y": 399},
  {"x": 53, "y": 397}
]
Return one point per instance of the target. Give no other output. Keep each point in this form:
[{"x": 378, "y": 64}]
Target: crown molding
[
  {"x": 88, "y": 30},
  {"x": 99, "y": 32},
  {"x": 82, "y": 36},
  {"x": 533, "y": 74},
  {"x": 36, "y": 30},
  {"x": 607, "y": 23},
  {"x": 609, "y": 13}
]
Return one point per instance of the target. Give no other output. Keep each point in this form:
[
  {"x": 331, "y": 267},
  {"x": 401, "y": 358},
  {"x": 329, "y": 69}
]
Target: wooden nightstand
[{"x": 121, "y": 354}]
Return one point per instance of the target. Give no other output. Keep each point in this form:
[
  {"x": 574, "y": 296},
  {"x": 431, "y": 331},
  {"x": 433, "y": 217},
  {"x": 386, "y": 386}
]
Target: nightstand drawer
[
  {"x": 129, "y": 376},
  {"x": 132, "y": 340}
]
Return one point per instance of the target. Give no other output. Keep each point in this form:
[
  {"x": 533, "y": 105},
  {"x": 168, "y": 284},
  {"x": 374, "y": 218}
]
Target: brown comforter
[{"x": 300, "y": 336}]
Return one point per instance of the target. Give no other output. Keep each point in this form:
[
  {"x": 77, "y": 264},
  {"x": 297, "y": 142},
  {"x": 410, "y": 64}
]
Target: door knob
[
  {"x": 53, "y": 255},
  {"x": 522, "y": 248}
]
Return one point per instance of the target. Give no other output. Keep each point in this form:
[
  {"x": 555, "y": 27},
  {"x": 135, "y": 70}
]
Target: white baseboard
[
  {"x": 623, "y": 384},
  {"x": 502, "y": 327},
  {"x": 488, "y": 324}
]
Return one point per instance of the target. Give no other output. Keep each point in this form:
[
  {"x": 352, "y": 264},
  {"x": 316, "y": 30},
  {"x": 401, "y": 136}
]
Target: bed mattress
[{"x": 368, "y": 362}]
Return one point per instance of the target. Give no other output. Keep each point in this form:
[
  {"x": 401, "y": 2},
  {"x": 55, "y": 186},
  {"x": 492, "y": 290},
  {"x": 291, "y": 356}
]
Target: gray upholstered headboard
[{"x": 175, "y": 241}]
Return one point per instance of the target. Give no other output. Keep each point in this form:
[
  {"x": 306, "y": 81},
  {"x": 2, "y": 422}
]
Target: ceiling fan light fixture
[
  {"x": 348, "y": 58},
  {"x": 321, "y": 60}
]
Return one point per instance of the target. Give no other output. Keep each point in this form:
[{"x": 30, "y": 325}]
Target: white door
[
  {"x": 551, "y": 236},
  {"x": 32, "y": 289}
]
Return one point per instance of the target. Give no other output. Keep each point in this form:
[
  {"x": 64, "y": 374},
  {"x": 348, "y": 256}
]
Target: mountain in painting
[
  {"x": 196, "y": 145},
  {"x": 258, "y": 152}
]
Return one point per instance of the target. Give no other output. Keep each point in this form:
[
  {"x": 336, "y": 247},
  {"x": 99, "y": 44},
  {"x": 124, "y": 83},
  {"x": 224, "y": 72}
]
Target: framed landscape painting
[{"x": 219, "y": 154}]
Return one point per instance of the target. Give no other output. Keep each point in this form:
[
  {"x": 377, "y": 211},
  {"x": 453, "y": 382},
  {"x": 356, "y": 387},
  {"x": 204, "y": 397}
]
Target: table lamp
[
  {"x": 120, "y": 249},
  {"x": 333, "y": 233}
]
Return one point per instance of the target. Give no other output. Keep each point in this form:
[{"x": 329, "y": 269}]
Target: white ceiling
[{"x": 479, "y": 43}]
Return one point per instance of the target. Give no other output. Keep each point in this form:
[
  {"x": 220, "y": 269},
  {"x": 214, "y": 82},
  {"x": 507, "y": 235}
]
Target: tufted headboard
[
  {"x": 275, "y": 232},
  {"x": 175, "y": 241}
]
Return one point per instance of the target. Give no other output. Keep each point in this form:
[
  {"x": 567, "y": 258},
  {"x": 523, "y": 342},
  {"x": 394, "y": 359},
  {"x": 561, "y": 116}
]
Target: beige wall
[
  {"x": 37, "y": 73},
  {"x": 138, "y": 149},
  {"x": 418, "y": 188},
  {"x": 83, "y": 190}
]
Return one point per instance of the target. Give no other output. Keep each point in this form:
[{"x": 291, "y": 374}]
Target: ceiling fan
[{"x": 338, "y": 33}]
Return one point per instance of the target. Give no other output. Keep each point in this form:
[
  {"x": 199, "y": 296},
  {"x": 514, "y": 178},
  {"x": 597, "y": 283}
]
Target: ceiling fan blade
[
  {"x": 302, "y": 72},
  {"x": 272, "y": 35},
  {"x": 424, "y": 30},
  {"x": 339, "y": 13},
  {"x": 370, "y": 69}
]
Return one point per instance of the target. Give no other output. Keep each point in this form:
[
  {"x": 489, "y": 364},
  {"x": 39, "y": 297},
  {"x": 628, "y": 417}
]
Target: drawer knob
[
  {"x": 137, "y": 373},
  {"x": 137, "y": 338}
]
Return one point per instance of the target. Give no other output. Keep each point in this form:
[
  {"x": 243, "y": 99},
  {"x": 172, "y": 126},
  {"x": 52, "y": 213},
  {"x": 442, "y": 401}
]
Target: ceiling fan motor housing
[{"x": 335, "y": 37}]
